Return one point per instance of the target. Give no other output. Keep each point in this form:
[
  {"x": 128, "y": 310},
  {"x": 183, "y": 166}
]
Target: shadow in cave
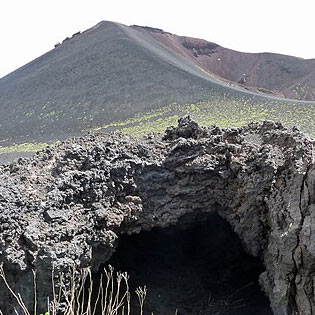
[{"x": 200, "y": 269}]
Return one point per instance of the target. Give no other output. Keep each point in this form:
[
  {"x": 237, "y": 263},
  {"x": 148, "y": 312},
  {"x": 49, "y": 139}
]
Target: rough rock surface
[{"x": 69, "y": 204}]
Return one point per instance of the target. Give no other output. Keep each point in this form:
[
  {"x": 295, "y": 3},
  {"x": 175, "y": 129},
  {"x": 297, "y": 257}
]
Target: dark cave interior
[{"x": 199, "y": 269}]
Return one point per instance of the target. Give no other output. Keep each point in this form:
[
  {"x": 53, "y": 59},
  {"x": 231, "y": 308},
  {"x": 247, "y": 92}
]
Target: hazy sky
[{"x": 29, "y": 28}]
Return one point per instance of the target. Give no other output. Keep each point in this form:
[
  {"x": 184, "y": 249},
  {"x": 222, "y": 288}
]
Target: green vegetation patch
[
  {"x": 167, "y": 110},
  {"x": 226, "y": 111},
  {"x": 156, "y": 125},
  {"x": 23, "y": 147},
  {"x": 221, "y": 110}
]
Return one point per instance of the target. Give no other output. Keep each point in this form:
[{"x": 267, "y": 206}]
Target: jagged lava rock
[{"x": 69, "y": 204}]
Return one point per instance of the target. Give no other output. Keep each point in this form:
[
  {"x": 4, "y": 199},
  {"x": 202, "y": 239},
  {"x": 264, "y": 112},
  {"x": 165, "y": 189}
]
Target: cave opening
[{"x": 198, "y": 268}]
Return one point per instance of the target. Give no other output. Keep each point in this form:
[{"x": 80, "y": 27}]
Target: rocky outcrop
[
  {"x": 199, "y": 48},
  {"x": 69, "y": 204}
]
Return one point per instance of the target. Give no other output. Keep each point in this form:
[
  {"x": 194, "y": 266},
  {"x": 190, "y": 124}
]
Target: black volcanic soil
[{"x": 108, "y": 73}]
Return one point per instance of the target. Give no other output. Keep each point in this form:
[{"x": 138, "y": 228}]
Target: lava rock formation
[{"x": 70, "y": 204}]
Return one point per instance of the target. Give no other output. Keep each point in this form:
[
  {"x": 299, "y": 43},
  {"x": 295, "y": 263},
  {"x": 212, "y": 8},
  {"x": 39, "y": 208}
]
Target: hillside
[
  {"x": 108, "y": 73},
  {"x": 279, "y": 75},
  {"x": 112, "y": 76}
]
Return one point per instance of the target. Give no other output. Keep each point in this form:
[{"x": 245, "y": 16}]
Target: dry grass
[{"x": 112, "y": 297}]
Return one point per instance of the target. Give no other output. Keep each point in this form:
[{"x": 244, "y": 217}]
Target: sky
[{"x": 30, "y": 28}]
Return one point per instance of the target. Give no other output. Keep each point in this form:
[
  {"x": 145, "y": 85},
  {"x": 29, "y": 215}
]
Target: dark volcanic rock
[{"x": 69, "y": 204}]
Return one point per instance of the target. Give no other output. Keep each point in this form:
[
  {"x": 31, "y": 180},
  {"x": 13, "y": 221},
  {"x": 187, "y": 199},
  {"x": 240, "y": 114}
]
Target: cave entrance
[{"x": 199, "y": 269}]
